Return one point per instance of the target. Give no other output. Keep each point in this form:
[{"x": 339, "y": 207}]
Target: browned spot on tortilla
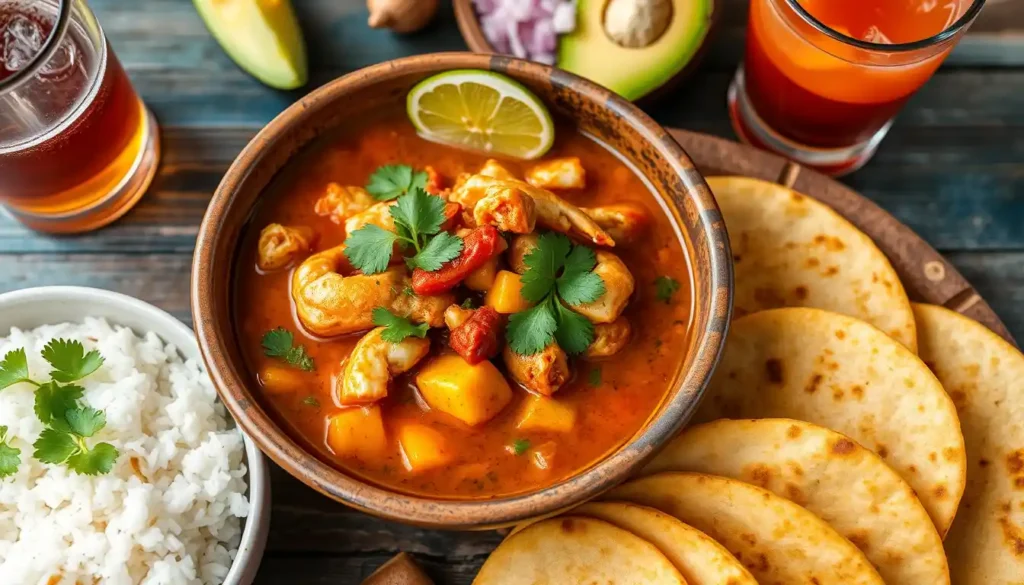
[
  {"x": 749, "y": 538},
  {"x": 940, "y": 492},
  {"x": 814, "y": 581},
  {"x": 736, "y": 258},
  {"x": 570, "y": 525},
  {"x": 951, "y": 454},
  {"x": 909, "y": 383},
  {"x": 857, "y": 391},
  {"x": 838, "y": 394},
  {"x": 795, "y": 494},
  {"x": 813, "y": 383},
  {"x": 800, "y": 292},
  {"x": 842, "y": 446},
  {"x": 789, "y": 245},
  {"x": 812, "y": 262},
  {"x": 840, "y": 334},
  {"x": 768, "y": 297},
  {"x": 794, "y": 431},
  {"x": 893, "y": 557},
  {"x": 860, "y": 540},
  {"x": 773, "y": 370},
  {"x": 933, "y": 457},
  {"x": 882, "y": 451},
  {"x": 959, "y": 398},
  {"x": 1015, "y": 462},
  {"x": 972, "y": 370},
  {"x": 759, "y": 474},
  {"x": 983, "y": 462},
  {"x": 912, "y": 468},
  {"x": 761, "y": 563},
  {"x": 1014, "y": 536},
  {"x": 832, "y": 270}
]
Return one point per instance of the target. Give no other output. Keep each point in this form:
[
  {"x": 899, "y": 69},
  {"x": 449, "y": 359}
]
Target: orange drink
[{"x": 823, "y": 79}]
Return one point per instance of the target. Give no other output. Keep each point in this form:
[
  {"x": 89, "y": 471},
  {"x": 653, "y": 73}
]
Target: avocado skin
[
  {"x": 274, "y": 52},
  {"x": 637, "y": 73}
]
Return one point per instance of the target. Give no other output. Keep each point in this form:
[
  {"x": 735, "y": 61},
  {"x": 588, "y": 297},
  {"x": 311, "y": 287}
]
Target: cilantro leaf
[
  {"x": 10, "y": 457},
  {"x": 369, "y": 248},
  {"x": 578, "y": 285},
  {"x": 311, "y": 401},
  {"x": 468, "y": 303},
  {"x": 53, "y": 400},
  {"x": 69, "y": 360},
  {"x": 440, "y": 249},
  {"x": 13, "y": 368},
  {"x": 390, "y": 181},
  {"x": 280, "y": 343},
  {"x": 594, "y": 377},
  {"x": 54, "y": 446},
  {"x": 96, "y": 461},
  {"x": 419, "y": 212},
  {"x": 85, "y": 421},
  {"x": 666, "y": 286},
  {"x": 396, "y": 328},
  {"x": 543, "y": 264},
  {"x": 520, "y": 446},
  {"x": 575, "y": 332},
  {"x": 530, "y": 331}
]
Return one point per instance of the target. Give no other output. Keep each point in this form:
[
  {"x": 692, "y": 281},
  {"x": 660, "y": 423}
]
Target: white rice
[{"x": 177, "y": 524}]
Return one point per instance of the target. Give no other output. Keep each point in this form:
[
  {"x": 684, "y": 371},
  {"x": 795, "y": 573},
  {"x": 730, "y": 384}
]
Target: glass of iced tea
[
  {"x": 77, "y": 146},
  {"x": 823, "y": 79}
]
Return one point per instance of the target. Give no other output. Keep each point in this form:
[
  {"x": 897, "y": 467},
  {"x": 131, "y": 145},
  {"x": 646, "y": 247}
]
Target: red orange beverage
[
  {"x": 77, "y": 146},
  {"x": 822, "y": 79}
]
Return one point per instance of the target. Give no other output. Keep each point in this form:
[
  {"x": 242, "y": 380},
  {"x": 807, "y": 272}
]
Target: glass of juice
[
  {"x": 823, "y": 79},
  {"x": 77, "y": 146}
]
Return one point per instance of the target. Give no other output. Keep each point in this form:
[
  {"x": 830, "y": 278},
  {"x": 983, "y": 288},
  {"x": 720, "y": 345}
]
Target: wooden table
[{"x": 952, "y": 168}]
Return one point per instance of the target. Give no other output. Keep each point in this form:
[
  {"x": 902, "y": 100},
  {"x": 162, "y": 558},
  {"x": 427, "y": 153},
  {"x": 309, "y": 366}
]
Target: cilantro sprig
[
  {"x": 67, "y": 422},
  {"x": 665, "y": 287},
  {"x": 396, "y": 328},
  {"x": 390, "y": 181},
  {"x": 280, "y": 343},
  {"x": 558, "y": 274},
  {"x": 418, "y": 219}
]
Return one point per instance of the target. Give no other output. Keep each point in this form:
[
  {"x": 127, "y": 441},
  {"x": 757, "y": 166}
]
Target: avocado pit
[{"x": 636, "y": 24}]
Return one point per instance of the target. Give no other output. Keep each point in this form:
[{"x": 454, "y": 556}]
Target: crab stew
[{"x": 445, "y": 324}]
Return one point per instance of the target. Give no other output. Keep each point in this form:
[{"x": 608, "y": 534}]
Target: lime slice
[
  {"x": 262, "y": 36},
  {"x": 483, "y": 111}
]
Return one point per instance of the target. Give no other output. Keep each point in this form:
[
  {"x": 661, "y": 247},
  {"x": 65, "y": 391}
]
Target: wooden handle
[{"x": 400, "y": 570}]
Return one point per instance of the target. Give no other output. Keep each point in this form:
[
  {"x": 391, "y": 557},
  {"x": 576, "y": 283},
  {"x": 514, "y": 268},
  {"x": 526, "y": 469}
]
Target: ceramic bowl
[
  {"x": 33, "y": 307},
  {"x": 681, "y": 189},
  {"x": 473, "y": 33}
]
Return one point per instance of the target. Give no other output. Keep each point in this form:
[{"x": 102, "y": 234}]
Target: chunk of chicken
[
  {"x": 558, "y": 173},
  {"x": 341, "y": 203},
  {"x": 551, "y": 211},
  {"x": 455, "y": 316},
  {"x": 618, "y": 284},
  {"x": 329, "y": 304},
  {"x": 280, "y": 246},
  {"x": 509, "y": 210},
  {"x": 520, "y": 249},
  {"x": 378, "y": 214},
  {"x": 609, "y": 338},
  {"x": 373, "y": 363},
  {"x": 495, "y": 170},
  {"x": 626, "y": 222},
  {"x": 543, "y": 372}
]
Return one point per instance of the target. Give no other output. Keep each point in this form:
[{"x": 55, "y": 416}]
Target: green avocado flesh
[
  {"x": 633, "y": 72},
  {"x": 262, "y": 36}
]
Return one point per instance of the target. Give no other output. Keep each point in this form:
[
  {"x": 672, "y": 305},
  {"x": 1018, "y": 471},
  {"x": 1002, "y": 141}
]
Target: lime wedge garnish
[{"x": 481, "y": 110}]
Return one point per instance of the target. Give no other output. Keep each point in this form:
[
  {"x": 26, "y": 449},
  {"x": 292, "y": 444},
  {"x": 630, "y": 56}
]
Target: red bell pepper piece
[
  {"x": 482, "y": 244},
  {"x": 479, "y": 338}
]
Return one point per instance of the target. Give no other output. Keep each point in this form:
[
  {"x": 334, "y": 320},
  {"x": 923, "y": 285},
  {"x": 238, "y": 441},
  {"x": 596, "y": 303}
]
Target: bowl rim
[
  {"x": 257, "y": 524},
  {"x": 445, "y": 512}
]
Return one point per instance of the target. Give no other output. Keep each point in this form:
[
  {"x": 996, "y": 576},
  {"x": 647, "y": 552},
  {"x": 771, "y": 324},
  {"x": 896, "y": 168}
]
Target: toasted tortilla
[
  {"x": 985, "y": 377},
  {"x": 841, "y": 482},
  {"x": 790, "y": 250},
  {"x": 779, "y": 542},
  {"x": 574, "y": 549},
  {"x": 700, "y": 559},
  {"x": 845, "y": 375}
]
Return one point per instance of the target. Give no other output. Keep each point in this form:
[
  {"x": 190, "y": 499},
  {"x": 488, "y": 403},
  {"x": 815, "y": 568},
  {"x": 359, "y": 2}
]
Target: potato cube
[
  {"x": 282, "y": 379},
  {"x": 357, "y": 432},
  {"x": 482, "y": 278},
  {"x": 540, "y": 413},
  {"x": 504, "y": 296},
  {"x": 423, "y": 448},
  {"x": 473, "y": 394}
]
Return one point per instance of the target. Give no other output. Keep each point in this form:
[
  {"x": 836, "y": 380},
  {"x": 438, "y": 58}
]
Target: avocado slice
[
  {"x": 262, "y": 36},
  {"x": 589, "y": 52}
]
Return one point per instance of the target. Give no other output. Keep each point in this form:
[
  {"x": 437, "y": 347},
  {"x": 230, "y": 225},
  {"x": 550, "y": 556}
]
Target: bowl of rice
[{"x": 118, "y": 464}]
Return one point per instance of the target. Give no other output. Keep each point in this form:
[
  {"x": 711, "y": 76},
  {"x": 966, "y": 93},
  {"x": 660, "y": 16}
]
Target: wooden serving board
[{"x": 926, "y": 275}]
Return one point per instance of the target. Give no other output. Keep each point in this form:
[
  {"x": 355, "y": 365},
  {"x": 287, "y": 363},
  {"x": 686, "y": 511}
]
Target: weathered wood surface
[{"x": 952, "y": 169}]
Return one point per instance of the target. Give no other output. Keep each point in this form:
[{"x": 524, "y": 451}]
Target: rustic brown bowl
[
  {"x": 595, "y": 110},
  {"x": 473, "y": 34}
]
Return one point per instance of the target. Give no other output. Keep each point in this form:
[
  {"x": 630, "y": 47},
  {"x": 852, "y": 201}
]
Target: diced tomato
[
  {"x": 482, "y": 244},
  {"x": 451, "y": 216},
  {"x": 479, "y": 338}
]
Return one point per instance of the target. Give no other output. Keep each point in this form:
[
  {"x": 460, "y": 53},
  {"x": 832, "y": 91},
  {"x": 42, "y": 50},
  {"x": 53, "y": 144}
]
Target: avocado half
[
  {"x": 634, "y": 72},
  {"x": 262, "y": 36}
]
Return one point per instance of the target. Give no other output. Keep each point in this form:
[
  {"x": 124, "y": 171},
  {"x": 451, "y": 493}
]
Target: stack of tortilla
[{"x": 848, "y": 436}]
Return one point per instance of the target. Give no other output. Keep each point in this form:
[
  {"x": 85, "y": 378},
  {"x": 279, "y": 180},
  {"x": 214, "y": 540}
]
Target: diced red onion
[{"x": 528, "y": 29}]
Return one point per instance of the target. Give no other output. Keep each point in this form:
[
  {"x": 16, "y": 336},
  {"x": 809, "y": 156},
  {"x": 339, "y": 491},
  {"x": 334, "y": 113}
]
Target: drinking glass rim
[
  {"x": 940, "y": 37},
  {"x": 48, "y": 49}
]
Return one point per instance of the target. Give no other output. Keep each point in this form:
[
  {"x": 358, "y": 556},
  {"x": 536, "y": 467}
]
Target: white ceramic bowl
[{"x": 30, "y": 308}]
